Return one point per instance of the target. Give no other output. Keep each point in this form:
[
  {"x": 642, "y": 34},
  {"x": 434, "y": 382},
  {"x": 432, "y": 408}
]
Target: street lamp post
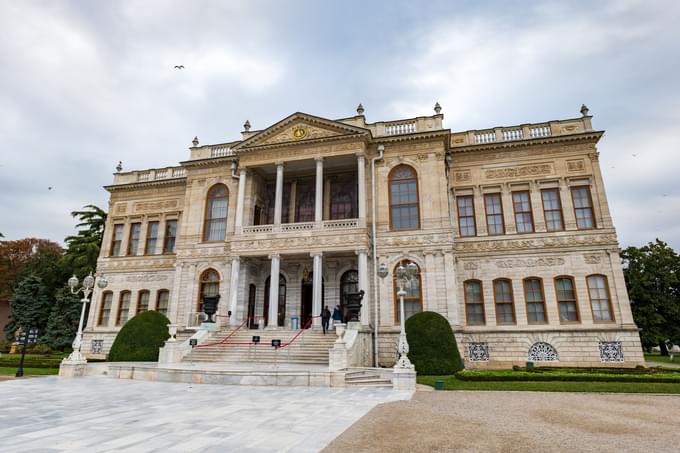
[
  {"x": 88, "y": 284},
  {"x": 405, "y": 276}
]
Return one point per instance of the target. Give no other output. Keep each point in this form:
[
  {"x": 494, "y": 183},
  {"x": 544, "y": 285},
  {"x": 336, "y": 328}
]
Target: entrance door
[
  {"x": 265, "y": 313},
  {"x": 306, "y": 299},
  {"x": 251, "y": 307}
]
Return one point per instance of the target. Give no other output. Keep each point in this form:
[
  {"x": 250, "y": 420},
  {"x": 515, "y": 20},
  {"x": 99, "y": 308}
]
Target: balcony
[
  {"x": 521, "y": 132},
  {"x": 329, "y": 235}
]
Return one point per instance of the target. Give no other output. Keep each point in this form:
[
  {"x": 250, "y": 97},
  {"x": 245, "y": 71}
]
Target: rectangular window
[
  {"x": 162, "y": 302},
  {"x": 151, "y": 238},
  {"x": 466, "y": 215},
  {"x": 305, "y": 191},
  {"x": 599, "y": 298},
  {"x": 474, "y": 303},
  {"x": 344, "y": 201},
  {"x": 143, "y": 302},
  {"x": 533, "y": 293},
  {"x": 133, "y": 243},
  {"x": 494, "y": 213},
  {"x": 566, "y": 299},
  {"x": 105, "y": 312},
  {"x": 552, "y": 208},
  {"x": 123, "y": 308},
  {"x": 502, "y": 292},
  {"x": 117, "y": 239},
  {"x": 524, "y": 219},
  {"x": 583, "y": 207},
  {"x": 170, "y": 236}
]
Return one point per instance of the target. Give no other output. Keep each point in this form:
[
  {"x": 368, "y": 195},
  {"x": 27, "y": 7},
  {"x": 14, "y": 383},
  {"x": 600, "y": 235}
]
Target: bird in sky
[
  {"x": 179, "y": 66},
  {"x": 49, "y": 188},
  {"x": 634, "y": 155}
]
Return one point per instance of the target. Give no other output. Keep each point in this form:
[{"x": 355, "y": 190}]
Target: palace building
[{"x": 509, "y": 228}]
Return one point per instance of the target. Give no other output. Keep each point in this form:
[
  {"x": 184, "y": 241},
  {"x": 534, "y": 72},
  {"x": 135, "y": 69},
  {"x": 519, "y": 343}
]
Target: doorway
[
  {"x": 307, "y": 299},
  {"x": 251, "y": 307}
]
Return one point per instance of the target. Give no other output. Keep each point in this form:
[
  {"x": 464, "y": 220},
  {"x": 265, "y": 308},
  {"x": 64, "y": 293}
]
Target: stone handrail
[
  {"x": 154, "y": 174},
  {"x": 521, "y": 132},
  {"x": 326, "y": 225},
  {"x": 221, "y": 151}
]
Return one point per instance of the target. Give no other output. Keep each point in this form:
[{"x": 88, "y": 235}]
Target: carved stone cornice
[
  {"x": 147, "y": 184},
  {"x": 208, "y": 161},
  {"x": 534, "y": 244}
]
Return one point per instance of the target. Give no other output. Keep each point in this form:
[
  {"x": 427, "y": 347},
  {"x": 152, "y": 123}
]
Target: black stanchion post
[{"x": 20, "y": 371}]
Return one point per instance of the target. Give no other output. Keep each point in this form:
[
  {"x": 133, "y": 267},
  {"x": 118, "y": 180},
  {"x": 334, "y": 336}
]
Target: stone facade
[{"x": 530, "y": 270}]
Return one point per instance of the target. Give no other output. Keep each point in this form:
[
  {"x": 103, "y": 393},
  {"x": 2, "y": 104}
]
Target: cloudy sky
[{"x": 84, "y": 84}]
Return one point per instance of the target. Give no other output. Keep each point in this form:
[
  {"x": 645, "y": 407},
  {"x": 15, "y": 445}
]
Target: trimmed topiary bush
[
  {"x": 140, "y": 338},
  {"x": 433, "y": 348}
]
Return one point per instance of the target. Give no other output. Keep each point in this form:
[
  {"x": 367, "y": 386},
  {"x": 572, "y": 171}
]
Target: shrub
[
  {"x": 41, "y": 348},
  {"x": 5, "y": 345},
  {"x": 140, "y": 338},
  {"x": 433, "y": 348}
]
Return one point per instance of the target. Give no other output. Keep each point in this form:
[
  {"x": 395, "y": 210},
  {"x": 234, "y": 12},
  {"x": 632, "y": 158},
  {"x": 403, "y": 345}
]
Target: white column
[
  {"x": 278, "y": 199},
  {"x": 362, "y": 265},
  {"x": 274, "y": 291},
  {"x": 240, "y": 201},
  {"x": 318, "y": 195},
  {"x": 317, "y": 289},
  {"x": 233, "y": 289},
  {"x": 361, "y": 178}
]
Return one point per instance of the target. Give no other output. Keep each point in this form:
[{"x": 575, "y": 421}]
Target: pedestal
[
  {"x": 404, "y": 379},
  {"x": 70, "y": 369}
]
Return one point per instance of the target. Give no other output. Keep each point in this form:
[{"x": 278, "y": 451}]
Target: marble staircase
[
  {"x": 367, "y": 377},
  {"x": 311, "y": 347}
]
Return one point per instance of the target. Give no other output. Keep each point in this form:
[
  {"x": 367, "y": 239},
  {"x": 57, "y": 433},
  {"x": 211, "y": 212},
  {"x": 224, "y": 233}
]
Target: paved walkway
[{"x": 100, "y": 414}]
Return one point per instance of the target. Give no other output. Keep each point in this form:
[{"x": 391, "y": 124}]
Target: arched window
[
  {"x": 474, "y": 302},
  {"x": 282, "y": 301},
  {"x": 413, "y": 301},
  {"x": 123, "y": 308},
  {"x": 162, "y": 301},
  {"x": 505, "y": 307},
  {"x": 566, "y": 299},
  {"x": 600, "y": 301},
  {"x": 105, "y": 309},
  {"x": 349, "y": 283},
  {"x": 215, "y": 226},
  {"x": 404, "y": 210},
  {"x": 142, "y": 301},
  {"x": 209, "y": 286},
  {"x": 535, "y": 300},
  {"x": 542, "y": 352}
]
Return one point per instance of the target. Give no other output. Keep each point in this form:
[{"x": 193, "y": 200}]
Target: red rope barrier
[{"x": 224, "y": 340}]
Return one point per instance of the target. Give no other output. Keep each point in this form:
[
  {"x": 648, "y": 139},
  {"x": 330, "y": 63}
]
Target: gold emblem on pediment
[{"x": 299, "y": 132}]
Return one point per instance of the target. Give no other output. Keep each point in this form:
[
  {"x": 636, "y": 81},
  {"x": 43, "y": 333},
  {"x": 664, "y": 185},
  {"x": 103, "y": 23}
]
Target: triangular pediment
[{"x": 301, "y": 127}]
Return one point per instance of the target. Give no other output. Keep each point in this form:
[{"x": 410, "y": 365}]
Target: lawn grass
[
  {"x": 452, "y": 383},
  {"x": 656, "y": 357},
  {"x": 11, "y": 371}
]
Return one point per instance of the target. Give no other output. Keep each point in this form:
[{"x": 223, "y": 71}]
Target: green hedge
[
  {"x": 499, "y": 376},
  {"x": 140, "y": 338},
  {"x": 433, "y": 348},
  {"x": 32, "y": 362}
]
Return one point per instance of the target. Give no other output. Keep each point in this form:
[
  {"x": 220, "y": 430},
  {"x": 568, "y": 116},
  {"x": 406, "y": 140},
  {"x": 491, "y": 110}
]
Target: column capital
[
  {"x": 360, "y": 251},
  {"x": 360, "y": 154},
  {"x": 315, "y": 254},
  {"x": 318, "y": 158},
  {"x": 235, "y": 258},
  {"x": 273, "y": 255},
  {"x": 279, "y": 163},
  {"x": 243, "y": 170}
]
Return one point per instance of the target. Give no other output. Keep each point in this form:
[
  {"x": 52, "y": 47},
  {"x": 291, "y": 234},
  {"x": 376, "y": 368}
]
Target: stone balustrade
[
  {"x": 326, "y": 225},
  {"x": 154, "y": 174},
  {"x": 521, "y": 132}
]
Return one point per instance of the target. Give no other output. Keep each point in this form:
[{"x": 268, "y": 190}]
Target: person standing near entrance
[
  {"x": 337, "y": 315},
  {"x": 325, "y": 318}
]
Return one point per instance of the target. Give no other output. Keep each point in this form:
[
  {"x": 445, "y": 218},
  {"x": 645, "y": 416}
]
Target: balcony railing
[
  {"x": 326, "y": 225},
  {"x": 155, "y": 174},
  {"x": 221, "y": 151}
]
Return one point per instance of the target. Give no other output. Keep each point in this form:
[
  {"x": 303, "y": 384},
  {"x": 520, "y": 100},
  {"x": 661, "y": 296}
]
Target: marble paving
[{"x": 111, "y": 415}]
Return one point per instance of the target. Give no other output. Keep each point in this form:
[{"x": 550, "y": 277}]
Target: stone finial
[
  {"x": 246, "y": 126},
  {"x": 584, "y": 110},
  {"x": 119, "y": 167},
  {"x": 195, "y": 141},
  {"x": 437, "y": 108},
  {"x": 360, "y": 109}
]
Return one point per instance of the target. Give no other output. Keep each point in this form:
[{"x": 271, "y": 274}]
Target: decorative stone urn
[
  {"x": 353, "y": 304},
  {"x": 210, "y": 306}
]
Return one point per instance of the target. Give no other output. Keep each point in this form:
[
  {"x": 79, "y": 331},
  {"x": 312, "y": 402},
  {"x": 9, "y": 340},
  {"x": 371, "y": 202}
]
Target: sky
[{"x": 84, "y": 84}]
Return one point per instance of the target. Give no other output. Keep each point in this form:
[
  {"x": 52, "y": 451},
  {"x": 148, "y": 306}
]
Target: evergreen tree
[
  {"x": 30, "y": 305},
  {"x": 652, "y": 274},
  {"x": 62, "y": 324},
  {"x": 83, "y": 248}
]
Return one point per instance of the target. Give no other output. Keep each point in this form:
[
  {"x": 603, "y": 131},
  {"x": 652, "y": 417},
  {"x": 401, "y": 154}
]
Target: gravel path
[{"x": 517, "y": 422}]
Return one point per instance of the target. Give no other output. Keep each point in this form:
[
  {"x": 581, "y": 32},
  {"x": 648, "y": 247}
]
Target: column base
[{"x": 404, "y": 379}]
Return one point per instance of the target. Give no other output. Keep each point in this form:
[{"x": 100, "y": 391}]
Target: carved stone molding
[
  {"x": 576, "y": 165},
  {"x": 592, "y": 259},
  {"x": 538, "y": 243},
  {"x": 530, "y": 262},
  {"x": 462, "y": 176},
  {"x": 155, "y": 206},
  {"x": 415, "y": 240},
  {"x": 519, "y": 171}
]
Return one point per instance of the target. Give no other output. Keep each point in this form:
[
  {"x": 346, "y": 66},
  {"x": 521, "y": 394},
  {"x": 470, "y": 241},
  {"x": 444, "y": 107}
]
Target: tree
[
  {"x": 62, "y": 324},
  {"x": 432, "y": 346},
  {"x": 30, "y": 305},
  {"x": 83, "y": 249},
  {"x": 140, "y": 338},
  {"x": 652, "y": 274},
  {"x": 14, "y": 255}
]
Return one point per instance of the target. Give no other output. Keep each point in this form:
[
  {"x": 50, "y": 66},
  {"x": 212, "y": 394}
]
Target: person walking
[
  {"x": 325, "y": 318},
  {"x": 337, "y": 315}
]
